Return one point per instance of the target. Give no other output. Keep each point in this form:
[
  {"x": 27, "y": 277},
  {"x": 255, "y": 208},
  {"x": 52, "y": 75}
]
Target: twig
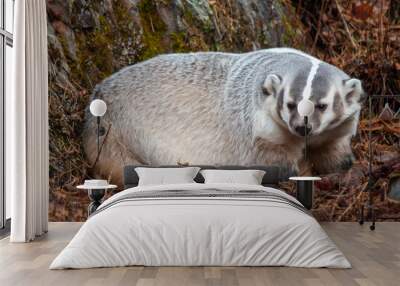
[
  {"x": 338, "y": 197},
  {"x": 345, "y": 24},
  {"x": 215, "y": 22},
  {"x": 360, "y": 194},
  {"x": 321, "y": 13},
  {"x": 151, "y": 25}
]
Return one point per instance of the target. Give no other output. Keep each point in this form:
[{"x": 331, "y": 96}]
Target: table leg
[
  {"x": 96, "y": 196},
  {"x": 305, "y": 193}
]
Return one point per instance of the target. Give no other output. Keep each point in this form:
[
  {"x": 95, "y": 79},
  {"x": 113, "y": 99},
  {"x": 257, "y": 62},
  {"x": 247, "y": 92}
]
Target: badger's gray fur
[{"x": 220, "y": 108}]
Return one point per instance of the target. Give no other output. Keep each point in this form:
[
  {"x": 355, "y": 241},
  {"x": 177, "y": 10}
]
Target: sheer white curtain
[{"x": 27, "y": 124}]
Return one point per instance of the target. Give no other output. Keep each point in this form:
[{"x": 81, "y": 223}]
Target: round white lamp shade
[
  {"x": 305, "y": 107},
  {"x": 98, "y": 107}
]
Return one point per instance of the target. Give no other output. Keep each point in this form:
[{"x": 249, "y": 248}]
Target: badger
[{"x": 226, "y": 108}]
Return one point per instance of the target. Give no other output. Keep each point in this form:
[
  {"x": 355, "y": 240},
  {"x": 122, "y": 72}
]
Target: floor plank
[{"x": 375, "y": 257}]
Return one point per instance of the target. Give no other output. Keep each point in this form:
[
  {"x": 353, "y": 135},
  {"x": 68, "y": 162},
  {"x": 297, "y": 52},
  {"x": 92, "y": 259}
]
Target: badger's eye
[
  {"x": 291, "y": 106},
  {"x": 321, "y": 107}
]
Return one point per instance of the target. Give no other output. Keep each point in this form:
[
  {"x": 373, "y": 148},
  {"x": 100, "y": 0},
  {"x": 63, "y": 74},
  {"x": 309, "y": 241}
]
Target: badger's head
[{"x": 336, "y": 98}]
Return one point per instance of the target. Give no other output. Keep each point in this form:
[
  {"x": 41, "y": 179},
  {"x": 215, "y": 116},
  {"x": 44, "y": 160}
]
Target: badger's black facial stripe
[
  {"x": 280, "y": 102},
  {"x": 320, "y": 85},
  {"x": 298, "y": 85}
]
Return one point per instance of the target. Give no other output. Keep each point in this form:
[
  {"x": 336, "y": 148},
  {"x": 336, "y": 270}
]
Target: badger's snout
[{"x": 301, "y": 130}]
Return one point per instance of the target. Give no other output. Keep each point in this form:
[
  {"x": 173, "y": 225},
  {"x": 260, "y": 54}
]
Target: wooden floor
[{"x": 375, "y": 257}]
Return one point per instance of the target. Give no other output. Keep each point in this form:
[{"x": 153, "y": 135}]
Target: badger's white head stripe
[
  {"x": 314, "y": 68},
  {"x": 311, "y": 75}
]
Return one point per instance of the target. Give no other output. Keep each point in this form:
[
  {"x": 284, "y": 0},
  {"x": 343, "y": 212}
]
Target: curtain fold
[{"x": 27, "y": 120}]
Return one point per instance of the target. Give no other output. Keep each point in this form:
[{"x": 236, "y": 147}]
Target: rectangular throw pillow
[
  {"x": 248, "y": 177},
  {"x": 162, "y": 176}
]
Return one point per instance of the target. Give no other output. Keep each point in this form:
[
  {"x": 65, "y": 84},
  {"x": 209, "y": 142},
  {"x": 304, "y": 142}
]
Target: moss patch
[
  {"x": 153, "y": 29},
  {"x": 178, "y": 41}
]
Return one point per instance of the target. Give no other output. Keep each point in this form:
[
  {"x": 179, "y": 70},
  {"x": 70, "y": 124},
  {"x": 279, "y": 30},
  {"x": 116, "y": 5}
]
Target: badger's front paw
[{"x": 347, "y": 162}]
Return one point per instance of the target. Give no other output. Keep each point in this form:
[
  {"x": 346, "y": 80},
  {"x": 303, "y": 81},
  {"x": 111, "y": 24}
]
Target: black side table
[
  {"x": 305, "y": 190},
  {"x": 96, "y": 195}
]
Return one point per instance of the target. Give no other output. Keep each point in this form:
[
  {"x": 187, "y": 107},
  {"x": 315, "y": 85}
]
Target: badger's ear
[
  {"x": 271, "y": 84},
  {"x": 353, "y": 90}
]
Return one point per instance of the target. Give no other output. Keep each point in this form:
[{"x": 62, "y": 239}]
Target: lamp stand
[
  {"x": 98, "y": 135},
  {"x": 100, "y": 132},
  {"x": 369, "y": 205},
  {"x": 305, "y": 138}
]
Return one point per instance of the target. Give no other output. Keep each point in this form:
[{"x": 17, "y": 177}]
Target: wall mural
[{"x": 232, "y": 103}]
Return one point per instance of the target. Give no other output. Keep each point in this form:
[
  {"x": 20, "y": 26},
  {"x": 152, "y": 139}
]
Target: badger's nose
[{"x": 301, "y": 130}]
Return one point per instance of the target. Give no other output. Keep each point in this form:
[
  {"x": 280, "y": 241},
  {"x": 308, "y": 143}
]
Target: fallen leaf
[{"x": 362, "y": 11}]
